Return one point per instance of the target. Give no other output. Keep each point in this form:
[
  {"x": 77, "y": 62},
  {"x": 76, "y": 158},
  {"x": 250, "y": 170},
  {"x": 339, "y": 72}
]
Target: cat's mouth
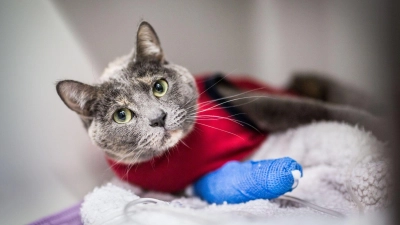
[{"x": 171, "y": 138}]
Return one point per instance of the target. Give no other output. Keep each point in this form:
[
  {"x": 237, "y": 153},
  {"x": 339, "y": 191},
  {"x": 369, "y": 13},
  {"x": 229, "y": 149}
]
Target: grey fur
[{"x": 131, "y": 87}]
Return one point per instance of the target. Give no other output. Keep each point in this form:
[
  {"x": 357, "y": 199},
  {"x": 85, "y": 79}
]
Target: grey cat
[{"x": 144, "y": 105}]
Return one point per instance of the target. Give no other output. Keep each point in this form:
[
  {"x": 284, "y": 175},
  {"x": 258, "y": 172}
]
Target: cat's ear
[
  {"x": 77, "y": 96},
  {"x": 148, "y": 46}
]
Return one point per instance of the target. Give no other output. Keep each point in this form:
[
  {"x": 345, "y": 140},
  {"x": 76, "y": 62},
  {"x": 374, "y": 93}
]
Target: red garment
[{"x": 209, "y": 148}]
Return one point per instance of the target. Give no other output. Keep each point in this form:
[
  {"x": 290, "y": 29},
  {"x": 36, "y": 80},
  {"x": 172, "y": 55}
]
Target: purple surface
[{"x": 70, "y": 216}]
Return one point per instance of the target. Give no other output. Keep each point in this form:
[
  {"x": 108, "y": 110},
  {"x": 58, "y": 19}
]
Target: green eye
[
  {"x": 160, "y": 88},
  {"x": 122, "y": 116}
]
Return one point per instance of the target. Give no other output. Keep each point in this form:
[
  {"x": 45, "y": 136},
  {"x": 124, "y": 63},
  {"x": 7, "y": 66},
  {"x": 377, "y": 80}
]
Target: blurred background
[{"x": 47, "y": 162}]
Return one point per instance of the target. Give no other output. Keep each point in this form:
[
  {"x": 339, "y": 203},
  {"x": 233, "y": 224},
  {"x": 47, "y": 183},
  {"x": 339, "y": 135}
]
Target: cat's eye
[
  {"x": 160, "y": 88},
  {"x": 122, "y": 116}
]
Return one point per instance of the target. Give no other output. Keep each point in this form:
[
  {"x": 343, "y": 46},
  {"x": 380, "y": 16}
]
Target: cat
[
  {"x": 128, "y": 111},
  {"x": 144, "y": 106}
]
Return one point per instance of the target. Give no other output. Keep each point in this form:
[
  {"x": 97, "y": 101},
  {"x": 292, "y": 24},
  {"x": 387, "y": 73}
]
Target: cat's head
[{"x": 143, "y": 105}]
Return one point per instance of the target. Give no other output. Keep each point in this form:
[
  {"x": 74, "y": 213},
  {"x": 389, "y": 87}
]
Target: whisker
[
  {"x": 118, "y": 161},
  {"x": 211, "y": 108},
  {"x": 207, "y": 116},
  {"x": 123, "y": 156},
  {"x": 213, "y": 117},
  {"x": 185, "y": 144},
  {"x": 224, "y": 76},
  {"x": 218, "y": 99},
  {"x": 127, "y": 171},
  {"x": 220, "y": 130}
]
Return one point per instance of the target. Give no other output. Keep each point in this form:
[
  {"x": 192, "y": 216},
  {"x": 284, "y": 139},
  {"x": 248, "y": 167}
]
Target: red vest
[{"x": 208, "y": 147}]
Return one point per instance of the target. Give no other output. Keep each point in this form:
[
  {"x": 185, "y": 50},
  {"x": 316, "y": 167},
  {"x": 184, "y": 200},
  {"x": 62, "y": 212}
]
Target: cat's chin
[
  {"x": 170, "y": 139},
  {"x": 133, "y": 159}
]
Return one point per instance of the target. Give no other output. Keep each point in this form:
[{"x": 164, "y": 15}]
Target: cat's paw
[
  {"x": 275, "y": 176},
  {"x": 296, "y": 177}
]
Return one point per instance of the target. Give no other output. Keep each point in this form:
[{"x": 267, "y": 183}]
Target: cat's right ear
[
  {"x": 148, "y": 46},
  {"x": 77, "y": 96}
]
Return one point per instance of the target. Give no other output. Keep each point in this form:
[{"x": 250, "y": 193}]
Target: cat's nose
[{"x": 159, "y": 121}]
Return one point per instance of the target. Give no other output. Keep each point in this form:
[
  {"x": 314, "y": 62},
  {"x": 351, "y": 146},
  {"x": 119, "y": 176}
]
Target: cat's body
[{"x": 144, "y": 105}]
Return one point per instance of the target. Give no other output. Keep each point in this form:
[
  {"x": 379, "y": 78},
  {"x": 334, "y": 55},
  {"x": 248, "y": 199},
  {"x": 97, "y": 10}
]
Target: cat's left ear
[{"x": 148, "y": 46}]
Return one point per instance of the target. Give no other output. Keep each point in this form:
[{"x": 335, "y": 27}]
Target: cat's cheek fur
[
  {"x": 93, "y": 135},
  {"x": 99, "y": 137}
]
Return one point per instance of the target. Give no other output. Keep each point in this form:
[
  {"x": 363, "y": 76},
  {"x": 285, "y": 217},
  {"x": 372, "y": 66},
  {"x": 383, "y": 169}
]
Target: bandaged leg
[{"x": 237, "y": 182}]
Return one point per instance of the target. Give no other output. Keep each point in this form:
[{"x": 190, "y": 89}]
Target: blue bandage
[{"x": 237, "y": 182}]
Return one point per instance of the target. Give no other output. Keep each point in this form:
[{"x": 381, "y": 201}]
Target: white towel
[{"x": 335, "y": 157}]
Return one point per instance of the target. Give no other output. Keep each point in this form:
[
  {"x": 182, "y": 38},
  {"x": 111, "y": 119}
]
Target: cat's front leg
[{"x": 238, "y": 182}]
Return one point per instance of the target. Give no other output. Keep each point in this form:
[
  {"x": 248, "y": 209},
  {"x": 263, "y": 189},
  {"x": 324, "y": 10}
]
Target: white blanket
[{"x": 344, "y": 170}]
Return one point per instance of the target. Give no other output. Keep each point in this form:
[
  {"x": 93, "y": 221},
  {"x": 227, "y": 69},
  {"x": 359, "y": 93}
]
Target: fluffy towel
[{"x": 344, "y": 170}]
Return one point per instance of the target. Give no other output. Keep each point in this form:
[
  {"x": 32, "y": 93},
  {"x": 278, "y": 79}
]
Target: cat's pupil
[
  {"x": 121, "y": 115},
  {"x": 159, "y": 88}
]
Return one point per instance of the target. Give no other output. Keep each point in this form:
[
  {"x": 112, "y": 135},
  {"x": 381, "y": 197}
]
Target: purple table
[{"x": 70, "y": 216}]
